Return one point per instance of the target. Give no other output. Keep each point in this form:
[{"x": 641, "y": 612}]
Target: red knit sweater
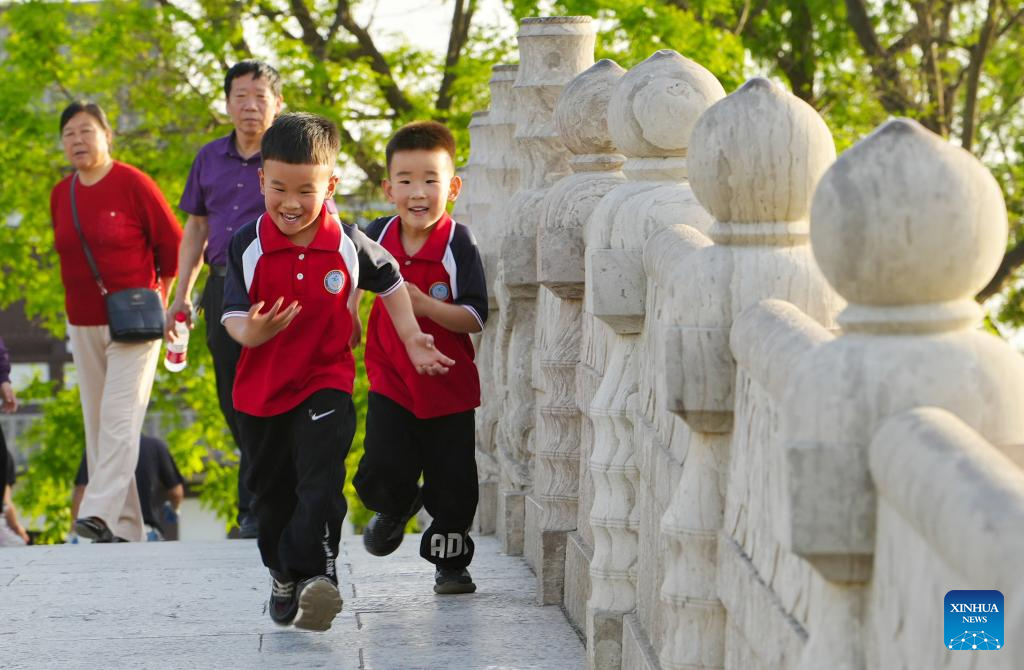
[{"x": 130, "y": 229}]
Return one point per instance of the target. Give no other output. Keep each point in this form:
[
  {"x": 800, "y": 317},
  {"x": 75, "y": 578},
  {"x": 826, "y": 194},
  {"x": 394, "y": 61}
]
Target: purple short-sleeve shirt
[{"x": 225, "y": 188}]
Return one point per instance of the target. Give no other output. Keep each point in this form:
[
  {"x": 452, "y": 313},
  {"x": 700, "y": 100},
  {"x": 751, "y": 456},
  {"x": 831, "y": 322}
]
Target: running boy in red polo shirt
[
  {"x": 424, "y": 425},
  {"x": 294, "y": 379}
]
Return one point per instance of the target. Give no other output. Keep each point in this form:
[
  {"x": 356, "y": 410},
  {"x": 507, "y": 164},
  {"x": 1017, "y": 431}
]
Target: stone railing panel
[
  {"x": 939, "y": 483},
  {"x": 579, "y": 116}
]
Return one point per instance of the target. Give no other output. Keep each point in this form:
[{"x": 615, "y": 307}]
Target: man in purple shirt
[{"x": 223, "y": 194}]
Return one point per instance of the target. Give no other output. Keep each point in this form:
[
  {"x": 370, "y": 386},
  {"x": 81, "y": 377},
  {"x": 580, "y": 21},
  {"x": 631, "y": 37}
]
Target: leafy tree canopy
[{"x": 158, "y": 69}]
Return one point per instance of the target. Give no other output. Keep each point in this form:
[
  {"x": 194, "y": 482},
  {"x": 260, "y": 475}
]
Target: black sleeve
[
  {"x": 5, "y": 363},
  {"x": 376, "y": 227},
  {"x": 471, "y": 285},
  {"x": 236, "y": 295},
  {"x": 378, "y": 269},
  {"x": 82, "y": 476},
  {"x": 10, "y": 476},
  {"x": 166, "y": 469}
]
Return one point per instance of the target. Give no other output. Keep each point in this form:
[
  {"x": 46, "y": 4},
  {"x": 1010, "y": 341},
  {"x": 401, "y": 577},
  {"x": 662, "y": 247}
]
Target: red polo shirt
[
  {"x": 131, "y": 233},
  {"x": 312, "y": 353},
  {"x": 448, "y": 268}
]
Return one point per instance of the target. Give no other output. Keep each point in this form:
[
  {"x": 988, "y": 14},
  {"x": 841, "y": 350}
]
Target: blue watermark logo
[{"x": 974, "y": 620}]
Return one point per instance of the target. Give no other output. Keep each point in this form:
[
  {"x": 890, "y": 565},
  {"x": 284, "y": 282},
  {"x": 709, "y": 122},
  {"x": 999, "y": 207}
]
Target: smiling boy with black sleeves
[
  {"x": 418, "y": 425},
  {"x": 294, "y": 379}
]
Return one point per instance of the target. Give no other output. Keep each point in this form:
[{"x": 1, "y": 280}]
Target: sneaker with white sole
[
  {"x": 318, "y": 603},
  {"x": 283, "y": 604}
]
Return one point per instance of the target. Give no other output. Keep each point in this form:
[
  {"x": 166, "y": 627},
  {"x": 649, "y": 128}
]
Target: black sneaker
[
  {"x": 96, "y": 529},
  {"x": 449, "y": 581},
  {"x": 384, "y": 533},
  {"x": 283, "y": 603},
  {"x": 318, "y": 602}
]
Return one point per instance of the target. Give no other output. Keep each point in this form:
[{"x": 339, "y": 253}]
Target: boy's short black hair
[
  {"x": 429, "y": 135},
  {"x": 258, "y": 69},
  {"x": 90, "y": 108},
  {"x": 301, "y": 138}
]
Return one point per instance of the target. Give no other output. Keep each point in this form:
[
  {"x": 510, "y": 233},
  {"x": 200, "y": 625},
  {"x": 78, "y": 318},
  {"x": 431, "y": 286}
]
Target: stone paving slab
[{"x": 202, "y": 605}]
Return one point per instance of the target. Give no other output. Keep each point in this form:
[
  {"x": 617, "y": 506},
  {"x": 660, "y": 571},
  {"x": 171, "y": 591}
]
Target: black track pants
[
  {"x": 400, "y": 448},
  {"x": 297, "y": 478}
]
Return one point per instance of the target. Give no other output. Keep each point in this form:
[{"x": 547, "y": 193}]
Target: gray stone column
[
  {"x": 551, "y": 510},
  {"x": 552, "y": 50},
  {"x": 499, "y": 179},
  {"x": 651, "y": 114}
]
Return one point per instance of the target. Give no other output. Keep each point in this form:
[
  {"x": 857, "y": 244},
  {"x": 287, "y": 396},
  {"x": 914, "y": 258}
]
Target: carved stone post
[
  {"x": 581, "y": 118},
  {"x": 652, "y": 111},
  {"x": 498, "y": 174},
  {"x": 552, "y": 51},
  {"x": 908, "y": 228},
  {"x": 755, "y": 158}
]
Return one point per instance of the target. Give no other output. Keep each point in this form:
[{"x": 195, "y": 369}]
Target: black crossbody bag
[{"x": 134, "y": 314}]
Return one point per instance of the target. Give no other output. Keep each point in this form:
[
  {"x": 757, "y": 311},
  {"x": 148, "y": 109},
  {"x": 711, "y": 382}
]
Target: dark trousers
[
  {"x": 298, "y": 478},
  {"x": 3, "y": 469},
  {"x": 225, "y": 352},
  {"x": 398, "y": 449}
]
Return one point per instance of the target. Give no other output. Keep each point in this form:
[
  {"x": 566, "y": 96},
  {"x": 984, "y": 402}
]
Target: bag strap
[{"x": 85, "y": 247}]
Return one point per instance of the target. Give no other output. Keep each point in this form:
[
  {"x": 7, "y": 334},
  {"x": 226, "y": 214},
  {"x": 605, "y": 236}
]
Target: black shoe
[
  {"x": 448, "y": 581},
  {"x": 317, "y": 604},
  {"x": 248, "y": 527},
  {"x": 283, "y": 603},
  {"x": 96, "y": 529},
  {"x": 384, "y": 533}
]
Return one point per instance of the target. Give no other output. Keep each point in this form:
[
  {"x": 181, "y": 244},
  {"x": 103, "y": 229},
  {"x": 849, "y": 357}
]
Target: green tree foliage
[
  {"x": 46, "y": 493},
  {"x": 953, "y": 65},
  {"x": 157, "y": 68}
]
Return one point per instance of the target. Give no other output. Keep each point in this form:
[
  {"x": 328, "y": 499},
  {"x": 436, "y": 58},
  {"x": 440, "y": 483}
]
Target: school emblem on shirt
[
  {"x": 334, "y": 281},
  {"x": 439, "y": 290}
]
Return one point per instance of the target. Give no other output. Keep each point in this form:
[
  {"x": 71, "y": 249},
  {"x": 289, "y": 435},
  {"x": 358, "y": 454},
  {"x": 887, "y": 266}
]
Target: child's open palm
[{"x": 425, "y": 358}]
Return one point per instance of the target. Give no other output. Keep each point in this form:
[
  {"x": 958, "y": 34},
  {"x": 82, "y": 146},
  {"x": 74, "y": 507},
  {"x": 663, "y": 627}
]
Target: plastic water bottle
[{"x": 175, "y": 360}]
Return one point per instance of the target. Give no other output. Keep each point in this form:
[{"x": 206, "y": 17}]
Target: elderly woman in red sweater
[{"x": 134, "y": 238}]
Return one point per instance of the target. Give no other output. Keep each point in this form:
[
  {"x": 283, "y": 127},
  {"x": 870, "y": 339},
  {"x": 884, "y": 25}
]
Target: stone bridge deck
[{"x": 201, "y": 605}]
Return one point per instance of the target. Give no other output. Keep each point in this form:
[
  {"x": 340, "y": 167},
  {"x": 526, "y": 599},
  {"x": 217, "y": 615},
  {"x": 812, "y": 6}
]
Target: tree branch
[
  {"x": 931, "y": 72},
  {"x": 461, "y": 21},
  {"x": 1010, "y": 22},
  {"x": 273, "y": 15},
  {"x": 392, "y": 93},
  {"x": 892, "y": 93},
  {"x": 363, "y": 159},
  {"x": 974, "y": 68},
  {"x": 1013, "y": 259}
]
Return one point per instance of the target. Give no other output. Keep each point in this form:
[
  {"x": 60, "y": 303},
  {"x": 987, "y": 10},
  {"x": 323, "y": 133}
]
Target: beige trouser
[{"x": 115, "y": 380}]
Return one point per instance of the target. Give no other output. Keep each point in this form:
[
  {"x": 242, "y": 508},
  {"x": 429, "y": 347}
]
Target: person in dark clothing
[
  {"x": 156, "y": 467},
  {"x": 11, "y": 531}
]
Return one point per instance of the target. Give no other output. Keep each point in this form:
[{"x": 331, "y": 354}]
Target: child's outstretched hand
[
  {"x": 425, "y": 358},
  {"x": 261, "y": 327}
]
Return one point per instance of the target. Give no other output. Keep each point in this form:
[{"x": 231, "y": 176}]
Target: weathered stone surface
[
  {"x": 730, "y": 397},
  {"x": 201, "y": 606},
  {"x": 553, "y": 50},
  {"x": 576, "y": 585},
  {"x": 498, "y": 171}
]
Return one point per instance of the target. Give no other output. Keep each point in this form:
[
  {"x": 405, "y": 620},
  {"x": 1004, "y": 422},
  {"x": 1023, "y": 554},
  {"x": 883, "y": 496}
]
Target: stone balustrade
[{"x": 738, "y": 409}]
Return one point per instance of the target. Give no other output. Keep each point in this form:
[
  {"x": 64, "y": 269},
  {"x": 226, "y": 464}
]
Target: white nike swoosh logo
[{"x": 317, "y": 417}]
